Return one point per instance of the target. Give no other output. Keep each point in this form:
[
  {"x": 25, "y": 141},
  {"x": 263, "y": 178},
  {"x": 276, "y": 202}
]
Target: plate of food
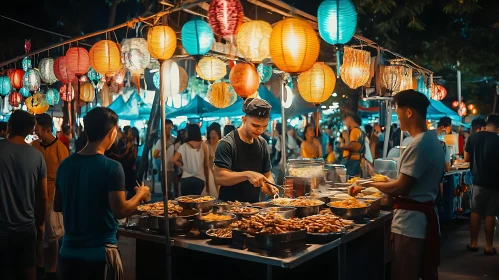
[
  {"x": 202, "y": 202},
  {"x": 380, "y": 178},
  {"x": 349, "y": 208},
  {"x": 220, "y": 235},
  {"x": 323, "y": 228}
]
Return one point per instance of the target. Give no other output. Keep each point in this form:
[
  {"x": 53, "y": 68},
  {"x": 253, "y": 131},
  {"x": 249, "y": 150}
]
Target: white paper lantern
[
  {"x": 170, "y": 78},
  {"x": 46, "y": 68},
  {"x": 135, "y": 55}
]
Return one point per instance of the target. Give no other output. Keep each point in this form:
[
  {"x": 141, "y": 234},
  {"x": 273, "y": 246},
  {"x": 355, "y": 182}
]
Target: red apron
[{"x": 431, "y": 256}]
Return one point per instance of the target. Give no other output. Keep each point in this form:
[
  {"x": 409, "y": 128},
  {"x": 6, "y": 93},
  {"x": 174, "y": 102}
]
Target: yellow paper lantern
[
  {"x": 105, "y": 57},
  {"x": 37, "y": 104},
  {"x": 221, "y": 95},
  {"x": 294, "y": 45},
  {"x": 211, "y": 69},
  {"x": 87, "y": 92},
  {"x": 355, "y": 70},
  {"x": 162, "y": 42},
  {"x": 106, "y": 97},
  {"x": 253, "y": 40},
  {"x": 317, "y": 84},
  {"x": 406, "y": 81},
  {"x": 391, "y": 78}
]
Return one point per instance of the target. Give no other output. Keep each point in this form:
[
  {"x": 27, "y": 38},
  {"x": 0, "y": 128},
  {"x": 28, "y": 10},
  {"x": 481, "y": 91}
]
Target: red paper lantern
[
  {"x": 16, "y": 77},
  {"x": 455, "y": 104},
  {"x": 15, "y": 99},
  {"x": 67, "y": 94},
  {"x": 244, "y": 79},
  {"x": 225, "y": 17},
  {"x": 62, "y": 71},
  {"x": 438, "y": 92},
  {"x": 78, "y": 60}
]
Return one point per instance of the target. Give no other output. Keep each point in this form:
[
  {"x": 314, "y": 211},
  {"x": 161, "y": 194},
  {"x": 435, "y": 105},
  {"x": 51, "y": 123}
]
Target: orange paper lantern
[
  {"x": 67, "y": 94},
  {"x": 16, "y": 77},
  {"x": 162, "y": 42},
  {"x": 15, "y": 99},
  {"x": 317, "y": 84},
  {"x": 244, "y": 79},
  {"x": 37, "y": 104},
  {"x": 105, "y": 57},
  {"x": 438, "y": 92},
  {"x": 355, "y": 70},
  {"x": 87, "y": 92},
  {"x": 62, "y": 71},
  {"x": 78, "y": 60}
]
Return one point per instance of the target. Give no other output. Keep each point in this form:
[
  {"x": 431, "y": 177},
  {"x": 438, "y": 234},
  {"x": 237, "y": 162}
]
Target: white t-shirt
[
  {"x": 192, "y": 161},
  {"x": 169, "y": 152},
  {"x": 423, "y": 159}
]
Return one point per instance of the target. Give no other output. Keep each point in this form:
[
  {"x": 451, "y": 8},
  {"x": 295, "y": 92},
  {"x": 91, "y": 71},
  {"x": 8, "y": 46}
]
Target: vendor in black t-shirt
[{"x": 242, "y": 160}]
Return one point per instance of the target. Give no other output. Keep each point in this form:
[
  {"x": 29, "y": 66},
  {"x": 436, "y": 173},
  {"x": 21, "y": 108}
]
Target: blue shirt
[{"x": 84, "y": 183}]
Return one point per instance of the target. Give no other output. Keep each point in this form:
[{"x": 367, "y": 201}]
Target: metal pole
[
  {"x": 283, "y": 137},
  {"x": 459, "y": 88},
  {"x": 388, "y": 127},
  {"x": 495, "y": 99}
]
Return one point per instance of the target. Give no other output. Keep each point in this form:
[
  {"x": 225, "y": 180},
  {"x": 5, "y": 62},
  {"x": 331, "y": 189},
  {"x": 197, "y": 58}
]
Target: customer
[
  {"x": 54, "y": 152},
  {"x": 293, "y": 146},
  {"x": 65, "y": 135},
  {"x": 192, "y": 157},
  {"x": 372, "y": 136},
  {"x": 228, "y": 128},
  {"x": 355, "y": 144},
  {"x": 90, "y": 191},
  {"x": 213, "y": 135},
  {"x": 3, "y": 130},
  {"x": 311, "y": 147},
  {"x": 331, "y": 157},
  {"x": 477, "y": 125},
  {"x": 23, "y": 199},
  {"x": 415, "y": 241},
  {"x": 482, "y": 152},
  {"x": 169, "y": 165}
]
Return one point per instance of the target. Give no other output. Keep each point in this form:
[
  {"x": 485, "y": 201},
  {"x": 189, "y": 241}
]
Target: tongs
[{"x": 275, "y": 185}]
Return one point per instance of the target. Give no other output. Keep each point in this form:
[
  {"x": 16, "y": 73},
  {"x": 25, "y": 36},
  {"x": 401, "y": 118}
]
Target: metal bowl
[
  {"x": 304, "y": 211},
  {"x": 374, "y": 206},
  {"x": 263, "y": 204},
  {"x": 218, "y": 240},
  {"x": 286, "y": 212},
  {"x": 181, "y": 224},
  {"x": 203, "y": 225},
  {"x": 205, "y": 206},
  {"x": 349, "y": 213},
  {"x": 239, "y": 216}
]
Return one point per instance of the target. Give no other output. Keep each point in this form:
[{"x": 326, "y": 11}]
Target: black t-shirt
[
  {"x": 483, "y": 148},
  {"x": 224, "y": 153}
]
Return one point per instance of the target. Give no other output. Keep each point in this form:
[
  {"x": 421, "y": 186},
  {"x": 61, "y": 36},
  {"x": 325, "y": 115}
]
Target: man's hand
[
  {"x": 256, "y": 179},
  {"x": 269, "y": 189},
  {"x": 142, "y": 192}
]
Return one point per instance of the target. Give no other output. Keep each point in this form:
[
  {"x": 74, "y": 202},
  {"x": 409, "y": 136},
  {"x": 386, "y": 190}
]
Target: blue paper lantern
[
  {"x": 337, "y": 20},
  {"x": 24, "y": 92},
  {"x": 197, "y": 37},
  {"x": 32, "y": 80},
  {"x": 5, "y": 86},
  {"x": 93, "y": 75},
  {"x": 52, "y": 97},
  {"x": 155, "y": 79},
  {"x": 26, "y": 64},
  {"x": 265, "y": 72}
]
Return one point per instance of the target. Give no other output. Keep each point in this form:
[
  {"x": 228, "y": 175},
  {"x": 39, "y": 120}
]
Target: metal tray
[
  {"x": 218, "y": 240},
  {"x": 278, "y": 241},
  {"x": 205, "y": 206},
  {"x": 322, "y": 238}
]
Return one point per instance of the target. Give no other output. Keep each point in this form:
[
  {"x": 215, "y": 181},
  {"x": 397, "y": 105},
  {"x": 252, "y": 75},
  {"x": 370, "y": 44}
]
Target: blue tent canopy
[{"x": 197, "y": 107}]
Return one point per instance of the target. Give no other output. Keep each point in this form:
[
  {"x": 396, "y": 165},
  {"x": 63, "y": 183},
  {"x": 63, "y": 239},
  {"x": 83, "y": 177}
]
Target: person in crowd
[
  {"x": 372, "y": 135},
  {"x": 242, "y": 159},
  {"x": 276, "y": 154},
  {"x": 124, "y": 152},
  {"x": 415, "y": 241},
  {"x": 477, "y": 125},
  {"x": 228, "y": 128},
  {"x": 54, "y": 152},
  {"x": 24, "y": 199},
  {"x": 354, "y": 146},
  {"x": 331, "y": 157},
  {"x": 327, "y": 133},
  {"x": 170, "y": 140},
  {"x": 193, "y": 158},
  {"x": 213, "y": 136},
  {"x": 3, "y": 130},
  {"x": 482, "y": 152},
  {"x": 90, "y": 192},
  {"x": 311, "y": 147},
  {"x": 293, "y": 146},
  {"x": 65, "y": 135},
  {"x": 367, "y": 162},
  {"x": 394, "y": 136}
]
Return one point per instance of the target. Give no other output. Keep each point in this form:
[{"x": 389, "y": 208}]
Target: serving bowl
[
  {"x": 349, "y": 213},
  {"x": 204, "y": 206},
  {"x": 287, "y": 212},
  {"x": 203, "y": 225}
]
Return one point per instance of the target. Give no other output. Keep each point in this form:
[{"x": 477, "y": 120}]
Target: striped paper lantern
[
  {"x": 225, "y": 17},
  {"x": 105, "y": 57},
  {"x": 162, "y": 42},
  {"x": 78, "y": 60},
  {"x": 16, "y": 77},
  {"x": 87, "y": 92},
  {"x": 32, "y": 80},
  {"x": 67, "y": 94},
  {"x": 197, "y": 37},
  {"x": 5, "y": 86},
  {"x": 253, "y": 40},
  {"x": 211, "y": 69},
  {"x": 62, "y": 71},
  {"x": 52, "y": 96},
  {"x": 46, "y": 68},
  {"x": 15, "y": 99}
]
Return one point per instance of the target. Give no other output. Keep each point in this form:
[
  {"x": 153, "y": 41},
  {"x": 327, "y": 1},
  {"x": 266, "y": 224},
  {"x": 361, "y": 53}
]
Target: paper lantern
[
  {"x": 221, "y": 95},
  {"x": 52, "y": 97},
  {"x": 265, "y": 72},
  {"x": 93, "y": 75},
  {"x": 294, "y": 45},
  {"x": 356, "y": 67},
  {"x": 62, "y": 71},
  {"x": 317, "y": 84},
  {"x": 15, "y": 99},
  {"x": 105, "y": 57},
  {"x": 455, "y": 104},
  {"x": 406, "y": 81},
  {"x": 106, "y": 98},
  {"x": 16, "y": 77},
  {"x": 155, "y": 79},
  {"x": 462, "y": 111},
  {"x": 438, "y": 92},
  {"x": 5, "y": 86},
  {"x": 197, "y": 37},
  {"x": 170, "y": 78},
  {"x": 391, "y": 77},
  {"x": 78, "y": 60},
  {"x": 244, "y": 79},
  {"x": 162, "y": 42},
  {"x": 87, "y": 92},
  {"x": 32, "y": 80},
  {"x": 26, "y": 63},
  {"x": 37, "y": 104},
  {"x": 253, "y": 40},
  {"x": 225, "y": 17},
  {"x": 25, "y": 92},
  {"x": 183, "y": 79},
  {"x": 337, "y": 21},
  {"x": 135, "y": 55},
  {"x": 46, "y": 68},
  {"x": 211, "y": 69},
  {"x": 67, "y": 92}
]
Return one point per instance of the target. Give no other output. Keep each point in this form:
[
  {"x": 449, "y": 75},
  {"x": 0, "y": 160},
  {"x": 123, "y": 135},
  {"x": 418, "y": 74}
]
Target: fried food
[
  {"x": 323, "y": 223},
  {"x": 243, "y": 210},
  {"x": 348, "y": 203},
  {"x": 268, "y": 224},
  {"x": 300, "y": 202},
  {"x": 230, "y": 203},
  {"x": 220, "y": 232},
  {"x": 372, "y": 195},
  {"x": 353, "y": 180},
  {"x": 186, "y": 199},
  {"x": 215, "y": 217},
  {"x": 158, "y": 209},
  {"x": 380, "y": 178}
]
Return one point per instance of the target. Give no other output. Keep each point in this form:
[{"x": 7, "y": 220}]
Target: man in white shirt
[{"x": 170, "y": 140}]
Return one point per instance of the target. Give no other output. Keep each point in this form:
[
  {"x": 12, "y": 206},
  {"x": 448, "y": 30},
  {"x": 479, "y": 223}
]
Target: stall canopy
[
  {"x": 133, "y": 109},
  {"x": 198, "y": 107},
  {"x": 436, "y": 110}
]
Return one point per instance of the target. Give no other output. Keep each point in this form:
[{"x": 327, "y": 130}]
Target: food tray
[
  {"x": 349, "y": 213},
  {"x": 203, "y": 226},
  {"x": 279, "y": 241},
  {"x": 322, "y": 238},
  {"x": 218, "y": 240}
]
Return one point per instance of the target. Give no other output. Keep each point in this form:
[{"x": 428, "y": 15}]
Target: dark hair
[
  {"x": 305, "y": 131},
  {"x": 193, "y": 132},
  {"x": 369, "y": 130},
  {"x": 45, "y": 121},
  {"x": 228, "y": 128},
  {"x": 414, "y": 100},
  {"x": 168, "y": 121},
  {"x": 3, "y": 126},
  {"x": 135, "y": 133},
  {"x": 126, "y": 128},
  {"x": 445, "y": 121},
  {"x": 21, "y": 123},
  {"x": 354, "y": 116},
  {"x": 493, "y": 119},
  {"x": 477, "y": 124},
  {"x": 66, "y": 128},
  {"x": 215, "y": 127},
  {"x": 98, "y": 122},
  {"x": 180, "y": 136},
  {"x": 278, "y": 127}
]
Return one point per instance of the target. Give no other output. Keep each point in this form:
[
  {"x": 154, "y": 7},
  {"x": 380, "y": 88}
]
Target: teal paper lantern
[
  {"x": 155, "y": 79},
  {"x": 197, "y": 37},
  {"x": 32, "y": 80},
  {"x": 93, "y": 75},
  {"x": 5, "y": 86},
  {"x": 337, "y": 20},
  {"x": 52, "y": 97},
  {"x": 24, "y": 92},
  {"x": 26, "y": 64},
  {"x": 265, "y": 72}
]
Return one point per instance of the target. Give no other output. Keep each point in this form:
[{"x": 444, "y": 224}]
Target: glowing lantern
[
  {"x": 78, "y": 60},
  {"x": 317, "y": 84},
  {"x": 355, "y": 70},
  {"x": 253, "y": 40},
  {"x": 170, "y": 78},
  {"x": 32, "y": 80},
  {"x": 221, "y": 95},
  {"x": 24, "y": 92},
  {"x": 462, "y": 111},
  {"x": 37, "y": 104},
  {"x": 471, "y": 107},
  {"x": 105, "y": 57},
  {"x": 391, "y": 78},
  {"x": 162, "y": 42},
  {"x": 265, "y": 72},
  {"x": 337, "y": 21},
  {"x": 87, "y": 92},
  {"x": 244, "y": 79},
  {"x": 184, "y": 79},
  {"x": 15, "y": 99},
  {"x": 135, "y": 55},
  {"x": 211, "y": 69},
  {"x": 46, "y": 68},
  {"x": 406, "y": 81},
  {"x": 5, "y": 86},
  {"x": 67, "y": 92},
  {"x": 16, "y": 77},
  {"x": 225, "y": 17},
  {"x": 474, "y": 111},
  {"x": 52, "y": 97},
  {"x": 106, "y": 97},
  {"x": 438, "y": 92},
  {"x": 294, "y": 46},
  {"x": 455, "y": 104},
  {"x": 26, "y": 63},
  {"x": 197, "y": 37},
  {"x": 62, "y": 71}
]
